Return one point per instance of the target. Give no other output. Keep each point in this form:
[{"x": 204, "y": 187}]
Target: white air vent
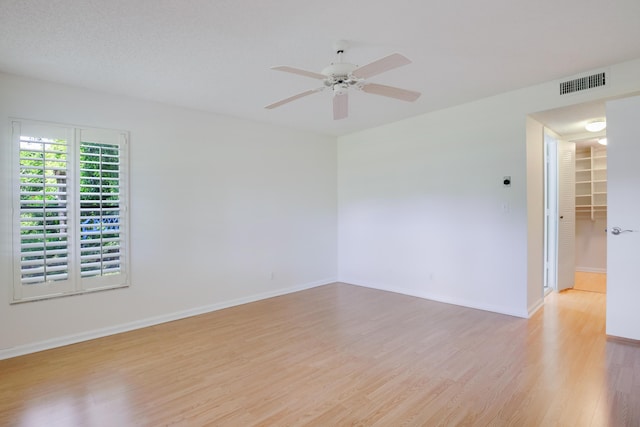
[{"x": 582, "y": 83}]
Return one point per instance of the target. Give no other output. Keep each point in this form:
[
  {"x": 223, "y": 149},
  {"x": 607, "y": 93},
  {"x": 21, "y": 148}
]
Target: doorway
[
  {"x": 575, "y": 199},
  {"x": 622, "y": 224}
]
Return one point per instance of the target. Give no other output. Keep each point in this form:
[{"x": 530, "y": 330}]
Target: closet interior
[{"x": 591, "y": 216}]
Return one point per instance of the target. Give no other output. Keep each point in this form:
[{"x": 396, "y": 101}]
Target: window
[{"x": 70, "y": 210}]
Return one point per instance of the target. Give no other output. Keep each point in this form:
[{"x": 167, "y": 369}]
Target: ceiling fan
[{"x": 340, "y": 76}]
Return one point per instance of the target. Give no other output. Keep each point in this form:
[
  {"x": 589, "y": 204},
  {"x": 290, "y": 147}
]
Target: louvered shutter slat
[
  {"x": 43, "y": 209},
  {"x": 99, "y": 208}
]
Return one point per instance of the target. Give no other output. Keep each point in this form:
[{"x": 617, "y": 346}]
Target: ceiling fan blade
[
  {"x": 340, "y": 106},
  {"x": 292, "y": 98},
  {"x": 391, "y": 92},
  {"x": 300, "y": 72},
  {"x": 381, "y": 65}
]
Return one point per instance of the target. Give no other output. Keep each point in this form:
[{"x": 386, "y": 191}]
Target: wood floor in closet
[
  {"x": 591, "y": 282},
  {"x": 339, "y": 355}
]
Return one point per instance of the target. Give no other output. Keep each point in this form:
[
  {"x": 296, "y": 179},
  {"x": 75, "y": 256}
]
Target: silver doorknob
[{"x": 617, "y": 230}]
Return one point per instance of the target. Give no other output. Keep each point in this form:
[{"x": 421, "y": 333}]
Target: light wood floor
[
  {"x": 591, "y": 282},
  {"x": 339, "y": 355}
]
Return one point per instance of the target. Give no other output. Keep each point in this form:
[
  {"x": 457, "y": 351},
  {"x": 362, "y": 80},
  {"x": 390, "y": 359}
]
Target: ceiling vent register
[{"x": 582, "y": 83}]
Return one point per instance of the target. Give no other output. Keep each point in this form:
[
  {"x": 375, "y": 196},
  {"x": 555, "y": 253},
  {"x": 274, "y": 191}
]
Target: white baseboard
[
  {"x": 439, "y": 298},
  {"x": 591, "y": 270},
  {"x": 536, "y": 306},
  {"x": 143, "y": 323}
]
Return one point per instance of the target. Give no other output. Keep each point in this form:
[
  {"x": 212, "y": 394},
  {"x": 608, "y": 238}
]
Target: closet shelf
[
  {"x": 591, "y": 174},
  {"x": 591, "y": 170},
  {"x": 600, "y": 156}
]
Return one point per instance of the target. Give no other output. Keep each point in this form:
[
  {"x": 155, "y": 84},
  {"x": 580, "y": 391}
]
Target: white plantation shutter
[
  {"x": 70, "y": 210},
  {"x": 42, "y": 214},
  {"x": 102, "y": 208},
  {"x": 43, "y": 209}
]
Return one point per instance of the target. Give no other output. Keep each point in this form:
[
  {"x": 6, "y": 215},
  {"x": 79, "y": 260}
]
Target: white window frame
[{"x": 75, "y": 282}]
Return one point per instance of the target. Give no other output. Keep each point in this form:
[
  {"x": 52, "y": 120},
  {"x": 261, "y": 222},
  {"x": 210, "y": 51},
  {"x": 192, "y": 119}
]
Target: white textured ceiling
[
  {"x": 215, "y": 55},
  {"x": 570, "y": 122}
]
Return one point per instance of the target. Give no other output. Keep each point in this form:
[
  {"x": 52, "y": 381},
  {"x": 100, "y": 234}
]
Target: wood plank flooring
[
  {"x": 339, "y": 355},
  {"x": 591, "y": 282}
]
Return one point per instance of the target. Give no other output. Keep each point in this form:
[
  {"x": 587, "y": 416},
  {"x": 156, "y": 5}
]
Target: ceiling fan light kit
[{"x": 340, "y": 76}]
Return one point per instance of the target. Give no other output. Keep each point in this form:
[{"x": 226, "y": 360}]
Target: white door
[
  {"x": 623, "y": 218},
  {"x": 566, "y": 215},
  {"x": 550, "y": 211}
]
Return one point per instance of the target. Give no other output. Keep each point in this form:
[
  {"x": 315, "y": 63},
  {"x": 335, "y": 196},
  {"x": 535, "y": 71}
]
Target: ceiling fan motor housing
[
  {"x": 339, "y": 70},
  {"x": 339, "y": 77}
]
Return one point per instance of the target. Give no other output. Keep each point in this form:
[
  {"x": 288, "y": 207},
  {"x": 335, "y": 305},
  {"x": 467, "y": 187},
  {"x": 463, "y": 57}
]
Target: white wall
[
  {"x": 591, "y": 244},
  {"x": 217, "y": 205},
  {"x": 422, "y": 209},
  {"x": 535, "y": 214}
]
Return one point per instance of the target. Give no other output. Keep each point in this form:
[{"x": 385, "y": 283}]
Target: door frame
[{"x": 550, "y": 212}]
